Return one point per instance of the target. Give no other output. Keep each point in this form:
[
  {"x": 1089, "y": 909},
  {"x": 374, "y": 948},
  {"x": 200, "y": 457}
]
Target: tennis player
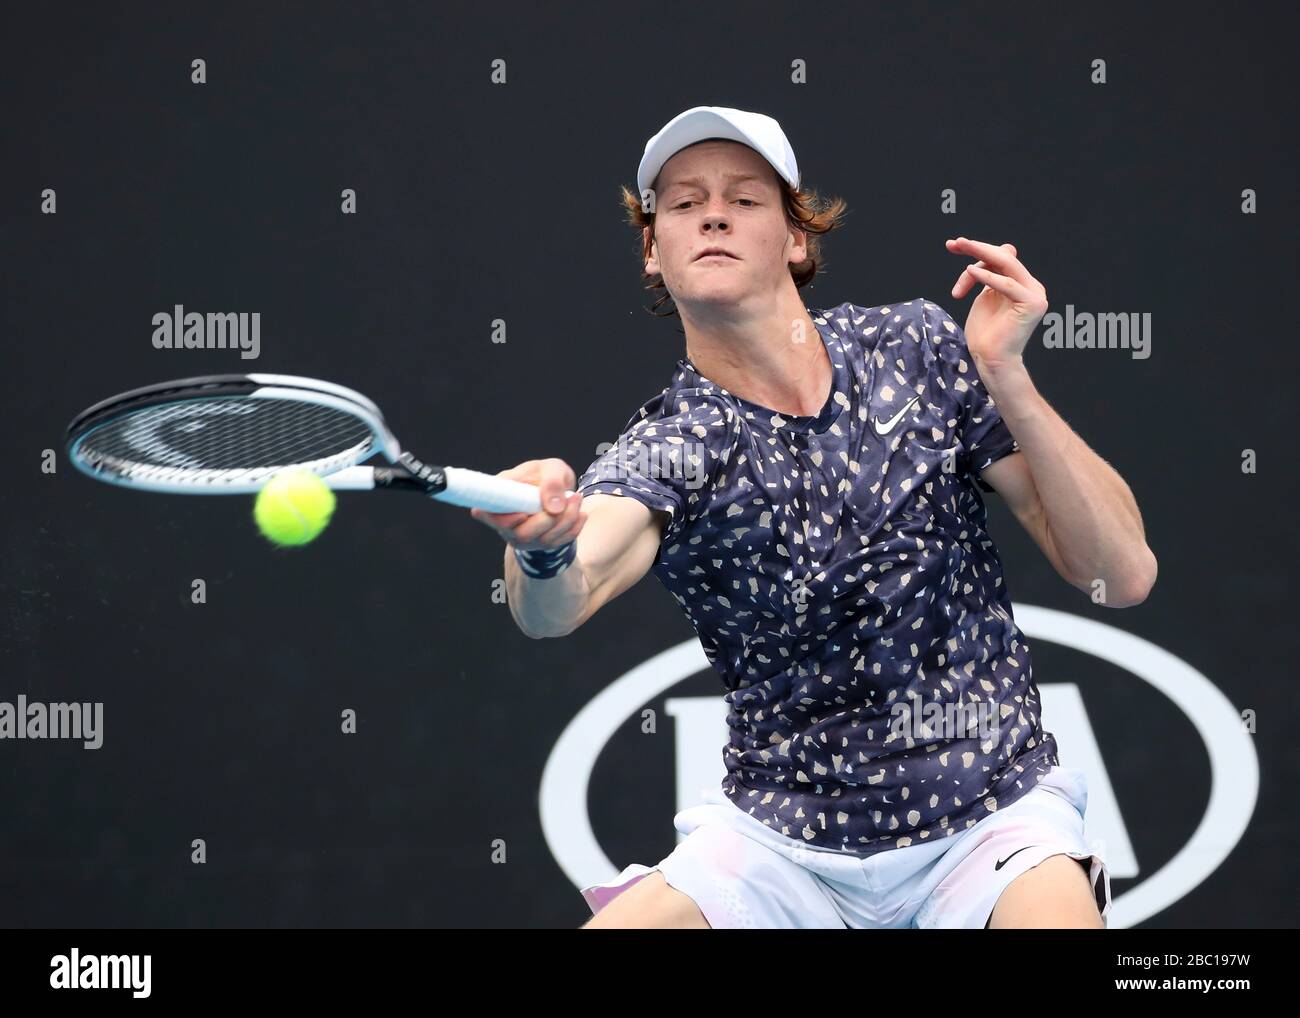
[{"x": 808, "y": 488}]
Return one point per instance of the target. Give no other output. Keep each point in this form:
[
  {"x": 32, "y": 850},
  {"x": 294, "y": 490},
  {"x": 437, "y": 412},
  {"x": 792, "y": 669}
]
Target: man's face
[{"x": 721, "y": 194}]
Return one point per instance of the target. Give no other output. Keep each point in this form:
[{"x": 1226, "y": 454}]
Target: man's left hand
[{"x": 1006, "y": 311}]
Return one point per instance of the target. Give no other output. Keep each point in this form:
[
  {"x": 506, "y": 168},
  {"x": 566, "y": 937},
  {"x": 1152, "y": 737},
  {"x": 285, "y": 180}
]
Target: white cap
[{"x": 759, "y": 132}]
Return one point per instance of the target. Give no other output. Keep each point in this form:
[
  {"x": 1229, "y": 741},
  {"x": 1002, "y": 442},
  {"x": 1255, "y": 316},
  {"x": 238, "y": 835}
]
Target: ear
[
  {"x": 649, "y": 245},
  {"x": 798, "y": 243}
]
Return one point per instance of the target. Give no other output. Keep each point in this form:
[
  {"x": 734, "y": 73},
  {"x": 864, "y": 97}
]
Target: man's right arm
[{"x": 617, "y": 541}]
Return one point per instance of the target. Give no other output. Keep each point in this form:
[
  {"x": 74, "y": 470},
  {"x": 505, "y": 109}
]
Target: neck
[{"x": 771, "y": 355}]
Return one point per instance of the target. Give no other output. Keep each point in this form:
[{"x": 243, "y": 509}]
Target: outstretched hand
[{"x": 560, "y": 519}]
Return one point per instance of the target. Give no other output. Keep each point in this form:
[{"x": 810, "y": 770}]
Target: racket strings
[{"x": 228, "y": 434}]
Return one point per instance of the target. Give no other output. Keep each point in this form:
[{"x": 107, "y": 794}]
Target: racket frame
[{"x": 342, "y": 471}]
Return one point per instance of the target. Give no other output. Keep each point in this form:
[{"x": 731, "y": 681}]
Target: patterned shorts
[{"x": 743, "y": 874}]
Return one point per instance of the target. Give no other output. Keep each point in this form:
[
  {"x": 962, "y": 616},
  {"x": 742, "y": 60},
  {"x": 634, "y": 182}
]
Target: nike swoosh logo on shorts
[
  {"x": 888, "y": 426},
  {"x": 1008, "y": 858}
]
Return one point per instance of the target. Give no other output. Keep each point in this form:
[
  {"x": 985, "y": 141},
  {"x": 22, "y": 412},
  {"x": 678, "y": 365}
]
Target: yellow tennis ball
[{"x": 293, "y": 508}]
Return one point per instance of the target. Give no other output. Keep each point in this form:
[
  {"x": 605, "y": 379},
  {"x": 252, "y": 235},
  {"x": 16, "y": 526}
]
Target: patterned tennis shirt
[{"x": 840, "y": 578}]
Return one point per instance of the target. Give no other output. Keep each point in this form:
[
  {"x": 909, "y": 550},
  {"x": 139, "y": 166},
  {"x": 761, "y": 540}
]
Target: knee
[{"x": 1055, "y": 894}]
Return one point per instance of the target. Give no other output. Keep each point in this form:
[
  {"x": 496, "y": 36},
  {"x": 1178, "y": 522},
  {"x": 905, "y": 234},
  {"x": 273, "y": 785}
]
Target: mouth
[{"x": 715, "y": 252}]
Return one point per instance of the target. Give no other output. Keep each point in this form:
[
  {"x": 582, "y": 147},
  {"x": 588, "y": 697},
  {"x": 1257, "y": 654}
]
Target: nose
[{"x": 715, "y": 216}]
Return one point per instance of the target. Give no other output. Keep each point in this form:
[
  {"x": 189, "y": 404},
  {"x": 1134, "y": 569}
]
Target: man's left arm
[{"x": 1072, "y": 502}]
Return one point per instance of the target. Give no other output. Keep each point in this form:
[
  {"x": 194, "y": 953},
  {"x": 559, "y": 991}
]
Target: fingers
[
  {"x": 1013, "y": 281},
  {"x": 963, "y": 285},
  {"x": 554, "y": 479},
  {"x": 545, "y": 530},
  {"x": 502, "y": 523},
  {"x": 560, "y": 519},
  {"x": 540, "y": 529},
  {"x": 525, "y": 471},
  {"x": 566, "y": 527},
  {"x": 968, "y": 280},
  {"x": 1004, "y": 285},
  {"x": 965, "y": 281},
  {"x": 1001, "y": 260}
]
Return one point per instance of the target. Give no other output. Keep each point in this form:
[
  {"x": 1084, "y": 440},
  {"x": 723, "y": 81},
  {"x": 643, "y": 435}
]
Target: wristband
[{"x": 543, "y": 563}]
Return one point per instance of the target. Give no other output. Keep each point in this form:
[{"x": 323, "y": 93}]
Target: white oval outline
[{"x": 1234, "y": 765}]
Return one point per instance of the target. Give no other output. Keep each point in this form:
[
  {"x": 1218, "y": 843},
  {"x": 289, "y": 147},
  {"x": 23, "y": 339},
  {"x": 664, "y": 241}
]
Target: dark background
[{"x": 477, "y": 202}]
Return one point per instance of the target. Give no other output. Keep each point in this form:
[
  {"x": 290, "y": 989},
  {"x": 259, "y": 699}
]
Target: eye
[{"x": 683, "y": 204}]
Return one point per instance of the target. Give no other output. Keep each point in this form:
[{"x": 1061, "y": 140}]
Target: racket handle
[{"x": 474, "y": 490}]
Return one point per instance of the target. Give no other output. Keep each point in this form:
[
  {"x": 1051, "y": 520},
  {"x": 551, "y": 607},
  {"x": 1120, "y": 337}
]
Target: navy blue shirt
[{"x": 842, "y": 583}]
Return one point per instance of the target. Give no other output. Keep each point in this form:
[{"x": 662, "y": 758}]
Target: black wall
[{"x": 480, "y": 201}]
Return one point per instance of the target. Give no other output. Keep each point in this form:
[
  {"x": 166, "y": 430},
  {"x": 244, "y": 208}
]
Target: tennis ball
[{"x": 293, "y": 508}]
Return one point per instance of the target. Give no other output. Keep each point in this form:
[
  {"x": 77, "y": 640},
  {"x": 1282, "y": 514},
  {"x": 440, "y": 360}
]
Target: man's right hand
[
  {"x": 615, "y": 551},
  {"x": 561, "y": 518}
]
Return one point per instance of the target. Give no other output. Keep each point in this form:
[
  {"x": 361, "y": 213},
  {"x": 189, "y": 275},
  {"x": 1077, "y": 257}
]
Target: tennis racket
[{"x": 230, "y": 434}]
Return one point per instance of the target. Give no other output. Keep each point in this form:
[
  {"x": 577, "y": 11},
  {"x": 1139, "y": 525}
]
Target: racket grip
[{"x": 474, "y": 490}]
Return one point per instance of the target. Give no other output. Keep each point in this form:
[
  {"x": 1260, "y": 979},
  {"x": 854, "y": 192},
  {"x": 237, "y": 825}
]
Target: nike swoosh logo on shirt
[
  {"x": 888, "y": 426},
  {"x": 1008, "y": 858}
]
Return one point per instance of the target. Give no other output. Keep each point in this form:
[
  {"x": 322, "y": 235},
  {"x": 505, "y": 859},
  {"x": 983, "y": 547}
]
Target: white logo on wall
[{"x": 700, "y": 727}]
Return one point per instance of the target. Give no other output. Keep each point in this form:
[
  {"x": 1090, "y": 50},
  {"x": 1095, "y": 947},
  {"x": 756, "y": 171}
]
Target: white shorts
[{"x": 741, "y": 873}]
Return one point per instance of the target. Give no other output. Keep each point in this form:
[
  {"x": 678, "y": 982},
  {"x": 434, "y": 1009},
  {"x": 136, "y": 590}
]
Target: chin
[
  {"x": 715, "y": 285},
  {"x": 717, "y": 297}
]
